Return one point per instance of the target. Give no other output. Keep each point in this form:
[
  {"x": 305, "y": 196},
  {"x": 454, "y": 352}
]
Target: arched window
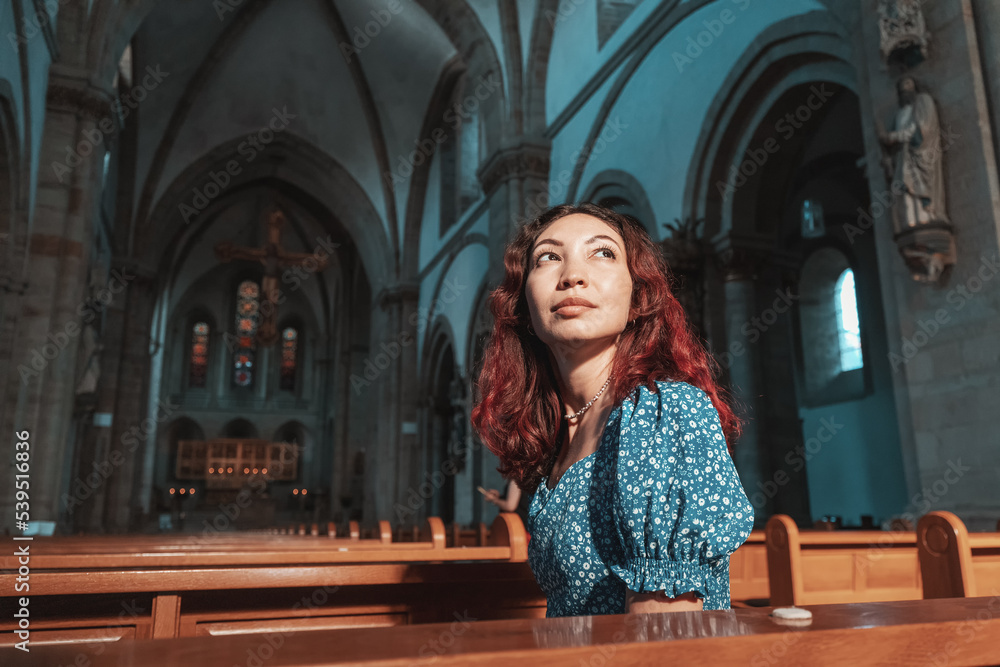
[
  {"x": 848, "y": 325},
  {"x": 198, "y": 366},
  {"x": 830, "y": 330},
  {"x": 459, "y": 158},
  {"x": 247, "y": 320},
  {"x": 289, "y": 358}
]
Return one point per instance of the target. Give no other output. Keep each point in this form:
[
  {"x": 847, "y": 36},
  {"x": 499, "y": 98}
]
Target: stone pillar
[
  {"x": 738, "y": 260},
  {"x": 83, "y": 500},
  {"x": 515, "y": 180},
  {"x": 132, "y": 422},
  {"x": 393, "y": 462},
  {"x": 945, "y": 416},
  {"x": 44, "y": 359}
]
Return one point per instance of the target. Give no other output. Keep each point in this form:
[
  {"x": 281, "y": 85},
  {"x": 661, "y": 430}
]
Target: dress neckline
[{"x": 600, "y": 443}]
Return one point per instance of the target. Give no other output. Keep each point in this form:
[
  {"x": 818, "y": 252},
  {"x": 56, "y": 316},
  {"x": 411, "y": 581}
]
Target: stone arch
[
  {"x": 537, "y": 66},
  {"x": 802, "y": 49},
  {"x": 182, "y": 428},
  {"x": 665, "y": 19},
  {"x": 618, "y": 184},
  {"x": 293, "y": 167},
  {"x": 292, "y": 431},
  {"x": 183, "y": 342},
  {"x": 12, "y": 237},
  {"x": 462, "y": 26},
  {"x": 441, "y": 374},
  {"x": 239, "y": 428}
]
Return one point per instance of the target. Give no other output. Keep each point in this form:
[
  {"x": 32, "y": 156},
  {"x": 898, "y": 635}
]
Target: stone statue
[
  {"x": 914, "y": 165},
  {"x": 90, "y": 352},
  {"x": 88, "y": 361}
]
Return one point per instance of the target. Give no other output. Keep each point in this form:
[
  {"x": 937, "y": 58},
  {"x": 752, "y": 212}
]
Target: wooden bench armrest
[
  {"x": 784, "y": 567},
  {"x": 945, "y": 556},
  {"x": 508, "y": 530}
]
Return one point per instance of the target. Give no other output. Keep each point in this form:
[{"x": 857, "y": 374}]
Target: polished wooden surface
[
  {"x": 957, "y": 632},
  {"x": 176, "y": 586}
]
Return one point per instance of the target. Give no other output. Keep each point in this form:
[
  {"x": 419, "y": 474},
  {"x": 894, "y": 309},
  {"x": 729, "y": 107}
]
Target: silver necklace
[{"x": 584, "y": 408}]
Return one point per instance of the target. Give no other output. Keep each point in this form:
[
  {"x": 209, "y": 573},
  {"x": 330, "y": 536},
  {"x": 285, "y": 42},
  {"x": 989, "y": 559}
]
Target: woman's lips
[{"x": 572, "y": 310}]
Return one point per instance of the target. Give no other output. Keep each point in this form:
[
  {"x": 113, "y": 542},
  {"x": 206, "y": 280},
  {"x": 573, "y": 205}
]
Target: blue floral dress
[{"x": 658, "y": 507}]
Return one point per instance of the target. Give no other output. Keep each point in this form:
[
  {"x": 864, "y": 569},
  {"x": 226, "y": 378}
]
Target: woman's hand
[
  {"x": 492, "y": 496},
  {"x": 658, "y": 602}
]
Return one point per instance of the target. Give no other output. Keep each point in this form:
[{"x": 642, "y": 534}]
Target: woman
[
  {"x": 596, "y": 397},
  {"x": 513, "y": 501}
]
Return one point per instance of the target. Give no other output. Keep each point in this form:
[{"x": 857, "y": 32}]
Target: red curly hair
[{"x": 518, "y": 411}]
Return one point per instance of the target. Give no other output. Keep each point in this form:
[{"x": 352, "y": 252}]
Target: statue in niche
[
  {"x": 914, "y": 165},
  {"x": 456, "y": 444},
  {"x": 88, "y": 361}
]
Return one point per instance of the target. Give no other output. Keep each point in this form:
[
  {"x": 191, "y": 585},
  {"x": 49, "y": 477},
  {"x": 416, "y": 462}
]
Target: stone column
[
  {"x": 132, "y": 422},
  {"x": 83, "y": 501},
  {"x": 738, "y": 260},
  {"x": 393, "y": 457},
  {"x": 515, "y": 180},
  {"x": 44, "y": 359}
]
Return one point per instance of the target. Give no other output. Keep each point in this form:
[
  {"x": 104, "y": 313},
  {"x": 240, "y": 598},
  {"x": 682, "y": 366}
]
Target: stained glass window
[
  {"x": 848, "y": 322},
  {"x": 247, "y": 320},
  {"x": 199, "y": 355},
  {"x": 289, "y": 358}
]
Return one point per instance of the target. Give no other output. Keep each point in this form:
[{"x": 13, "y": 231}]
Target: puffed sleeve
[{"x": 680, "y": 509}]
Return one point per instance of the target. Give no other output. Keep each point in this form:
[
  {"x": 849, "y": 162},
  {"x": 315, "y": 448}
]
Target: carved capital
[
  {"x": 78, "y": 97},
  {"x": 903, "y": 32},
  {"x": 522, "y": 161},
  {"x": 397, "y": 294},
  {"x": 740, "y": 256}
]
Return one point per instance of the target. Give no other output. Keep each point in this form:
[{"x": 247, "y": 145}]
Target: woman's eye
[
  {"x": 608, "y": 252},
  {"x": 543, "y": 256}
]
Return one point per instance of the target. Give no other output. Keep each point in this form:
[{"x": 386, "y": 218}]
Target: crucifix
[{"x": 274, "y": 258}]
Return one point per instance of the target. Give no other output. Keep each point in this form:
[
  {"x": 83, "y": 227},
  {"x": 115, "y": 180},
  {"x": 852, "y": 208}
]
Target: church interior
[{"x": 247, "y": 248}]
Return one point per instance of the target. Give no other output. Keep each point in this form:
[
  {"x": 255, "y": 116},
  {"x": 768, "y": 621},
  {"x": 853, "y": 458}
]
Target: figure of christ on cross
[{"x": 274, "y": 258}]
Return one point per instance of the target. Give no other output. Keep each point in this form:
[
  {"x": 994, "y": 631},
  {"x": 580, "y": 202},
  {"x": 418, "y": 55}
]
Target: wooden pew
[
  {"x": 459, "y": 536},
  {"x": 748, "y": 584},
  {"x": 955, "y": 563},
  {"x": 828, "y": 567},
  {"x": 958, "y": 632},
  {"x": 289, "y": 583}
]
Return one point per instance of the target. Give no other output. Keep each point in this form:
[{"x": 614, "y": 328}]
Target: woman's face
[{"x": 581, "y": 258}]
